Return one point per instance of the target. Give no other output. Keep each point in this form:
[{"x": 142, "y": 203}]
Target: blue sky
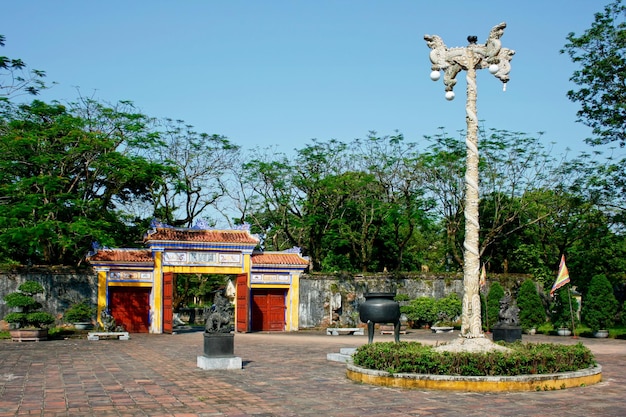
[{"x": 279, "y": 73}]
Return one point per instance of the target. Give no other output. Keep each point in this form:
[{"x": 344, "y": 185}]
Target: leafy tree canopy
[
  {"x": 16, "y": 79},
  {"x": 63, "y": 176},
  {"x": 601, "y": 78}
]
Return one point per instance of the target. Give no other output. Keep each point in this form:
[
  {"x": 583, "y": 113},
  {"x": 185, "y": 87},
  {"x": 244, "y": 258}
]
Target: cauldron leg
[
  {"x": 370, "y": 331},
  {"x": 396, "y": 331}
]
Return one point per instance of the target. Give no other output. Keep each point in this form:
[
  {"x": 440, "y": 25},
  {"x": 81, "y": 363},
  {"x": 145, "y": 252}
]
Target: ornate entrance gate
[
  {"x": 138, "y": 284},
  {"x": 268, "y": 310},
  {"x": 130, "y": 307}
]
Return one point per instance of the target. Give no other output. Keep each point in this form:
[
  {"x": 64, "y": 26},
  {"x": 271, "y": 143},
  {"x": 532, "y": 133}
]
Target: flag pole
[
  {"x": 571, "y": 311},
  {"x": 562, "y": 280}
]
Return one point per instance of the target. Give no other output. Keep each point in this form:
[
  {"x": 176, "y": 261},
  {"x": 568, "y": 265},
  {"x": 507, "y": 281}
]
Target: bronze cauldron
[{"x": 380, "y": 307}]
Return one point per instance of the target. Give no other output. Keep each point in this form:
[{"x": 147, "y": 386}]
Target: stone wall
[
  {"x": 325, "y": 300},
  {"x": 62, "y": 287},
  {"x": 333, "y": 300}
]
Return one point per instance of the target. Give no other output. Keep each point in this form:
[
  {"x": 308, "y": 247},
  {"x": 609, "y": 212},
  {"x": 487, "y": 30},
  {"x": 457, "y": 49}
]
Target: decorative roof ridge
[
  {"x": 200, "y": 226},
  {"x": 288, "y": 257},
  {"x": 141, "y": 255}
]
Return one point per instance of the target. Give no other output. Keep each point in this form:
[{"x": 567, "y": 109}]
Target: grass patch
[
  {"x": 60, "y": 333},
  {"x": 618, "y": 333},
  {"x": 524, "y": 359}
]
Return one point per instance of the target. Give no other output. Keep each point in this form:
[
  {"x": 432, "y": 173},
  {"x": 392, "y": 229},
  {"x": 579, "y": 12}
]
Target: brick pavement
[{"x": 284, "y": 374}]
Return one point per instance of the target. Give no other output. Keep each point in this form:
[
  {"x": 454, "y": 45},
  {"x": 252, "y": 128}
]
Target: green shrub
[
  {"x": 448, "y": 308},
  {"x": 496, "y": 292},
  {"x": 523, "y": 359},
  {"x": 421, "y": 311},
  {"x": 600, "y": 306},
  {"x": 79, "y": 312},
  {"x": 545, "y": 328},
  {"x": 531, "y": 311},
  {"x": 24, "y": 299},
  {"x": 401, "y": 297}
]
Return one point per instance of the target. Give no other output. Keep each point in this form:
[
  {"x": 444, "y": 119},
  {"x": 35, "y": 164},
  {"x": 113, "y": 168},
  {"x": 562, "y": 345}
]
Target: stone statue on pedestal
[{"x": 219, "y": 317}]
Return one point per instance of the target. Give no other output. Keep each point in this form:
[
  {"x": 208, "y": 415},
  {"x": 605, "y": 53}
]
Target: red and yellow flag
[{"x": 562, "y": 278}]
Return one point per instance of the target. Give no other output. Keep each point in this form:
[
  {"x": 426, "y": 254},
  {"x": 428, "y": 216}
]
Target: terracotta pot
[{"x": 29, "y": 335}]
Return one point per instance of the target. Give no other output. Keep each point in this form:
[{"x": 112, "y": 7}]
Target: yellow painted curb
[{"x": 545, "y": 382}]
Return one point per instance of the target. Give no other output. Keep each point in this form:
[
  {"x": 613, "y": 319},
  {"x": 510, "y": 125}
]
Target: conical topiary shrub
[
  {"x": 532, "y": 314},
  {"x": 599, "y": 306},
  {"x": 496, "y": 292}
]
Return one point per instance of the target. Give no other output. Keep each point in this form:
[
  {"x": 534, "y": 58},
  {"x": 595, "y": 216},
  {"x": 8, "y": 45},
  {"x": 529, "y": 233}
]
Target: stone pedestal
[
  {"x": 206, "y": 363},
  {"x": 508, "y": 334},
  {"x": 219, "y": 344},
  {"x": 219, "y": 352}
]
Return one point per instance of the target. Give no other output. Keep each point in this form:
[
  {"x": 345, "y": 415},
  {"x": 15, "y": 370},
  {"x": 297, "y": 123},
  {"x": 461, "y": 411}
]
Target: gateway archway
[{"x": 272, "y": 276}]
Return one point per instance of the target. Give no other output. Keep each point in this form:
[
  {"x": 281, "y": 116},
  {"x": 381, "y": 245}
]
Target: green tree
[
  {"x": 64, "y": 177},
  {"x": 513, "y": 165},
  {"x": 495, "y": 294},
  {"x": 599, "y": 306},
  {"x": 568, "y": 222},
  {"x": 198, "y": 179},
  {"x": 531, "y": 310},
  {"x": 405, "y": 236},
  {"x": 350, "y": 207},
  {"x": 361, "y": 218},
  {"x": 196, "y": 289},
  {"x": 442, "y": 168},
  {"x": 291, "y": 206},
  {"x": 16, "y": 79},
  {"x": 600, "y": 53}
]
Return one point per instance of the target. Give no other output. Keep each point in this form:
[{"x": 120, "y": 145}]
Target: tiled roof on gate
[
  {"x": 200, "y": 235},
  {"x": 278, "y": 259},
  {"x": 122, "y": 255}
]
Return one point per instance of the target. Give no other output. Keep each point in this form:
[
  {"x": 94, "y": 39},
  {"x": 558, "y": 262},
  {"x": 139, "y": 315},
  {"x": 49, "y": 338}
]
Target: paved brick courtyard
[{"x": 284, "y": 374}]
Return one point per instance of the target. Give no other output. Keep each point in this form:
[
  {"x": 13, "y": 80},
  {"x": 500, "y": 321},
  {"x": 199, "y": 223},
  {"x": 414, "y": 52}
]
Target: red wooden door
[
  {"x": 242, "y": 303},
  {"x": 130, "y": 307},
  {"x": 168, "y": 296},
  {"x": 268, "y": 310}
]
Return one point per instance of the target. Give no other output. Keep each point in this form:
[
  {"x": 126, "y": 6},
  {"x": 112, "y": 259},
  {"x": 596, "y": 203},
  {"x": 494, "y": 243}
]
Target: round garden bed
[
  {"x": 475, "y": 365},
  {"x": 544, "y": 382}
]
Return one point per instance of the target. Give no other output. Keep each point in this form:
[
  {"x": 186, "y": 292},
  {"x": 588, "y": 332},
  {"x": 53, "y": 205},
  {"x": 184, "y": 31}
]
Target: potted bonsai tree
[
  {"x": 600, "y": 306},
  {"x": 28, "y": 323},
  {"x": 80, "y": 315}
]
